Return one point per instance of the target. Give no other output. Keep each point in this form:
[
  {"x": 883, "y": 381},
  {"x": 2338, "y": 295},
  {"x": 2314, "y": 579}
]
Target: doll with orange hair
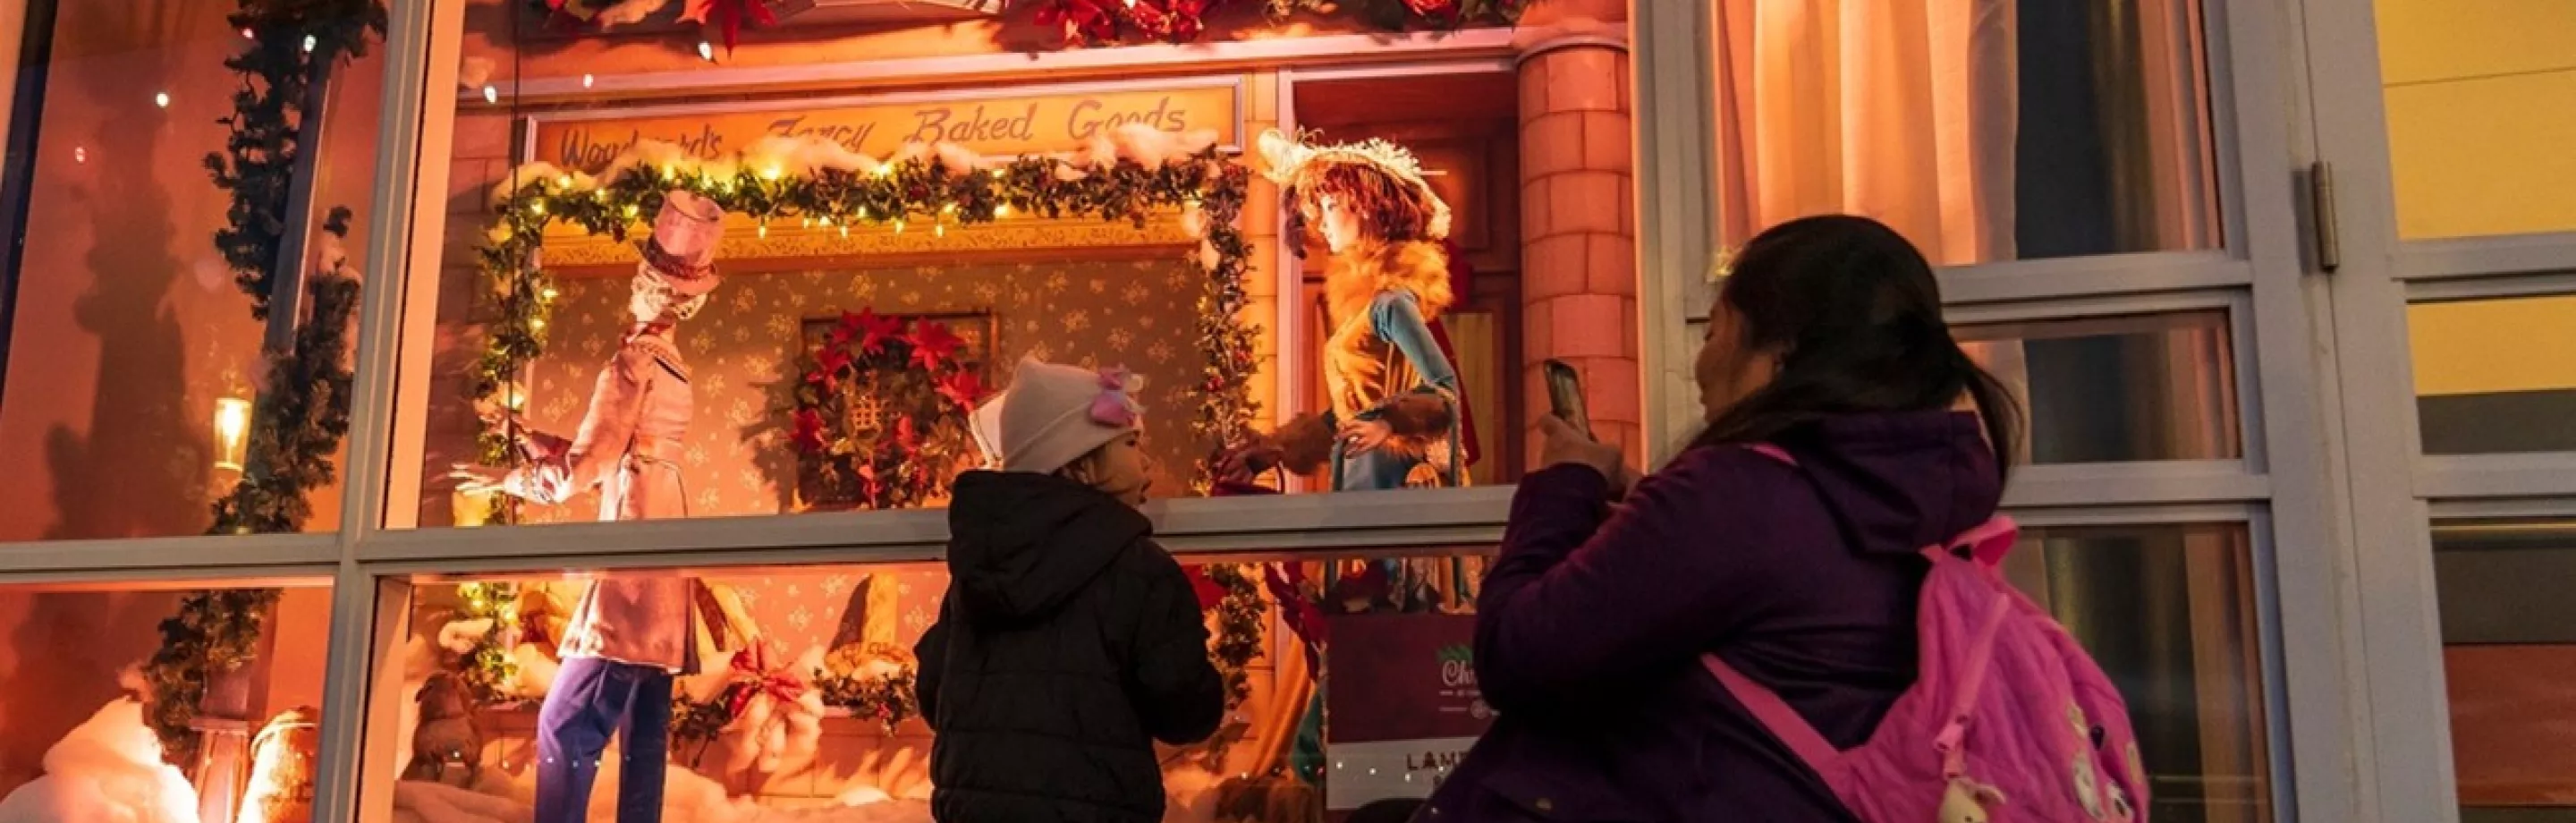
[{"x": 1395, "y": 413}]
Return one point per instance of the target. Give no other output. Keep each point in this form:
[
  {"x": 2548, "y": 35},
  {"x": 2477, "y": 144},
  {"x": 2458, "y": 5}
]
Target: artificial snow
[
  {"x": 687, "y": 797},
  {"x": 107, "y": 770}
]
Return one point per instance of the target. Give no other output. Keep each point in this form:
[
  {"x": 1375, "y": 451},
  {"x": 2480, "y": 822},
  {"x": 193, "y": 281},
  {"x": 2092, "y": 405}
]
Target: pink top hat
[{"x": 683, "y": 247}]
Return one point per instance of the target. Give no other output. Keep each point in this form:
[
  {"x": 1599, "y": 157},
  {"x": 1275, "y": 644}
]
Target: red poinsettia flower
[
  {"x": 728, "y": 16},
  {"x": 933, "y": 346},
  {"x": 962, "y": 388},
  {"x": 828, "y": 363},
  {"x": 875, "y": 329},
  {"x": 1082, "y": 19},
  {"x": 1181, "y": 21},
  {"x": 809, "y": 430},
  {"x": 906, "y": 436},
  {"x": 1208, "y": 592},
  {"x": 1433, "y": 8}
]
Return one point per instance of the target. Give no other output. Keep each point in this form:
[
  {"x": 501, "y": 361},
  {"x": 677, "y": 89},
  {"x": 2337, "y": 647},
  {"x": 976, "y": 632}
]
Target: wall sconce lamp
[{"x": 232, "y": 432}]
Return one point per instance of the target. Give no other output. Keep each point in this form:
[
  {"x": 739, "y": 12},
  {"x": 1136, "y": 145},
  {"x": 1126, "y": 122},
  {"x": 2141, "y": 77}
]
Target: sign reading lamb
[{"x": 1003, "y": 125}]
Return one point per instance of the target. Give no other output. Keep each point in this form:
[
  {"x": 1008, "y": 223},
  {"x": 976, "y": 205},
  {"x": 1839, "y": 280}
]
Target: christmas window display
[
  {"x": 817, "y": 717},
  {"x": 160, "y": 704}
]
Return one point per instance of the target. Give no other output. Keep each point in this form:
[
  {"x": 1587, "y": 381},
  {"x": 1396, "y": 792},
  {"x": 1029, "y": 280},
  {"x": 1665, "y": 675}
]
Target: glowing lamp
[{"x": 232, "y": 432}]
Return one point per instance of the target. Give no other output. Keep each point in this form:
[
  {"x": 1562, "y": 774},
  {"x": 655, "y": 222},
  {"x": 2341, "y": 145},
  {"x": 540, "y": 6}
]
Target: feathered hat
[{"x": 1297, "y": 166}]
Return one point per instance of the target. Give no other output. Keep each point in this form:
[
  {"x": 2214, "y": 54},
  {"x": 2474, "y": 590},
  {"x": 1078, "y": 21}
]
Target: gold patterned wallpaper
[{"x": 743, "y": 350}]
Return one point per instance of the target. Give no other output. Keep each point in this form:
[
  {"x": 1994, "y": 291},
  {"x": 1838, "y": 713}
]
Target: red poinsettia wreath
[{"x": 880, "y": 417}]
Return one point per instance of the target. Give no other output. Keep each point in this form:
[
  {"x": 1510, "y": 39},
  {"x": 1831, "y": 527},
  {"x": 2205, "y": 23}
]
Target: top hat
[{"x": 683, "y": 246}]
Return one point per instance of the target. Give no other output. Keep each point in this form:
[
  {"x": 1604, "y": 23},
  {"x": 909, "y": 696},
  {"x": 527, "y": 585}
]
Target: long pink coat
[{"x": 628, "y": 446}]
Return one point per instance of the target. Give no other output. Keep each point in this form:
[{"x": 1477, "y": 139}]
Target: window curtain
[{"x": 1905, "y": 112}]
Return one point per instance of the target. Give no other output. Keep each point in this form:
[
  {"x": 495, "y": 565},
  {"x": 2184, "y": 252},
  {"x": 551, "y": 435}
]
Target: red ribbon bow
[{"x": 754, "y": 676}]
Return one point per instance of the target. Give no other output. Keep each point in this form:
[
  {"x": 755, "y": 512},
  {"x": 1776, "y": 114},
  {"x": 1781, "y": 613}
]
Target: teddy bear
[{"x": 448, "y": 746}]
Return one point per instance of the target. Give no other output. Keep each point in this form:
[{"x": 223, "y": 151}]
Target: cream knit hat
[{"x": 1056, "y": 414}]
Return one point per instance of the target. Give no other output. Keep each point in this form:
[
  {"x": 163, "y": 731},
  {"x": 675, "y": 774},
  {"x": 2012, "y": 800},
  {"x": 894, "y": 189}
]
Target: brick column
[{"x": 1578, "y": 230}]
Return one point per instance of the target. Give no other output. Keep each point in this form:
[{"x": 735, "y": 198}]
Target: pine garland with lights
[
  {"x": 905, "y": 193},
  {"x": 488, "y": 669},
  {"x": 303, "y": 412}
]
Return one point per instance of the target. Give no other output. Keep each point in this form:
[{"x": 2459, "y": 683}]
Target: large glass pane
[
  {"x": 893, "y": 240},
  {"x": 1985, "y": 132},
  {"x": 2478, "y": 115},
  {"x": 2508, "y": 652},
  {"x": 144, "y": 702},
  {"x": 824, "y": 719},
  {"x": 138, "y": 388},
  {"x": 2495, "y": 376},
  {"x": 2169, "y": 613},
  {"x": 2137, "y": 387}
]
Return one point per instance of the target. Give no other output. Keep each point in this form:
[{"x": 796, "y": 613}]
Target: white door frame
[{"x": 2395, "y": 490}]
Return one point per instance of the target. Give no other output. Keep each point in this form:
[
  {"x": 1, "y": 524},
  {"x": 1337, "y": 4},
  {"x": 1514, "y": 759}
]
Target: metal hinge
[{"x": 2321, "y": 210}]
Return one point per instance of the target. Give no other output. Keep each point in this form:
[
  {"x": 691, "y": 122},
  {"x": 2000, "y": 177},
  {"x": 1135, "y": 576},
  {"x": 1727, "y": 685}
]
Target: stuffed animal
[{"x": 448, "y": 747}]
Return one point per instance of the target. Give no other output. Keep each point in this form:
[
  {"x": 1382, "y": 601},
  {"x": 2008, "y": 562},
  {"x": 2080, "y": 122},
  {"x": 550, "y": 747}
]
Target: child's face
[{"x": 1119, "y": 469}]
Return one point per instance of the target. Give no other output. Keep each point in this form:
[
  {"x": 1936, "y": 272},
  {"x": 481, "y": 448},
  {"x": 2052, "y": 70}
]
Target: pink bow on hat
[{"x": 1114, "y": 407}]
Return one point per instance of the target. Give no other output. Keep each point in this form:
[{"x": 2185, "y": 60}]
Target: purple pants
[{"x": 591, "y": 699}]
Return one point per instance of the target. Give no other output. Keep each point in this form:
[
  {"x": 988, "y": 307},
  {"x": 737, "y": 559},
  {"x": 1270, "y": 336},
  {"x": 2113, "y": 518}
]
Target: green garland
[
  {"x": 303, "y": 414},
  {"x": 889, "y": 699},
  {"x": 911, "y": 191},
  {"x": 1239, "y": 621},
  {"x": 489, "y": 672},
  {"x": 289, "y": 40}
]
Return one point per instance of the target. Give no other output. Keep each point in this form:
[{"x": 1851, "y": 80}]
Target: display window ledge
[
  {"x": 1183, "y": 525},
  {"x": 170, "y": 558}
]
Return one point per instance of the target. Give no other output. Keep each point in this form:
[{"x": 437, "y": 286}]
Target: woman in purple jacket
[{"x": 1827, "y": 341}]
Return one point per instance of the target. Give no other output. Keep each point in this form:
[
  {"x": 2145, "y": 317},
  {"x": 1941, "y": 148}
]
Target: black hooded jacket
[{"x": 1067, "y": 644}]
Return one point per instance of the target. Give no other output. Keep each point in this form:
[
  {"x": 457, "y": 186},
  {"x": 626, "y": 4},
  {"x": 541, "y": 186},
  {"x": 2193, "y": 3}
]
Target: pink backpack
[{"x": 2009, "y": 720}]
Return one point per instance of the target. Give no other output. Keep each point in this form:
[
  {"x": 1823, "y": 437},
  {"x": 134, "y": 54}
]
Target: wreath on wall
[
  {"x": 1125, "y": 177},
  {"x": 880, "y": 413}
]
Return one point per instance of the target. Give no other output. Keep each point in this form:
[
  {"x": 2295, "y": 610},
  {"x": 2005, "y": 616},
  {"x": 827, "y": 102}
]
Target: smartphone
[{"x": 1565, "y": 396}]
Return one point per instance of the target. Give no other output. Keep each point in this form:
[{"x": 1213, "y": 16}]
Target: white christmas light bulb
[{"x": 162, "y": 99}]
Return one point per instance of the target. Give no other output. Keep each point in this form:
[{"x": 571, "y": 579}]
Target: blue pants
[{"x": 591, "y": 699}]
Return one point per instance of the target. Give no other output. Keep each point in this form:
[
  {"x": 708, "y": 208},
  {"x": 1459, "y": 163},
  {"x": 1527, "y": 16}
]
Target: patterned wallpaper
[{"x": 742, "y": 350}]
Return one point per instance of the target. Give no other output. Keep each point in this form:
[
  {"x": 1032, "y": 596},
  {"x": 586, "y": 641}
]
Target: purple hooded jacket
[{"x": 1591, "y": 622}]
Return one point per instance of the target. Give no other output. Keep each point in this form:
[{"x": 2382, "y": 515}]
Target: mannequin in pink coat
[{"x": 630, "y": 636}]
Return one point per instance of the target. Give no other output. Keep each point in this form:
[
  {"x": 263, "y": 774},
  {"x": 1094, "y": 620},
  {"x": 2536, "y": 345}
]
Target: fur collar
[{"x": 1356, "y": 277}]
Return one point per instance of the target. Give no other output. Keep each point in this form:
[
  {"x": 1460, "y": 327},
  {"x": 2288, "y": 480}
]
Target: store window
[
  {"x": 2169, "y": 612},
  {"x": 1984, "y": 131},
  {"x": 2506, "y": 651},
  {"x": 1325, "y": 275},
  {"x": 825, "y": 716},
  {"x": 145, "y": 702},
  {"x": 2136, "y": 387},
  {"x": 137, "y": 393},
  {"x": 2476, "y": 120},
  {"x": 2495, "y": 376}
]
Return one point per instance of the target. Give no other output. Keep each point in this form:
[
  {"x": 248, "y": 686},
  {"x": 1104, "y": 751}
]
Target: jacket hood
[
  {"x": 1020, "y": 545},
  {"x": 1902, "y": 481}
]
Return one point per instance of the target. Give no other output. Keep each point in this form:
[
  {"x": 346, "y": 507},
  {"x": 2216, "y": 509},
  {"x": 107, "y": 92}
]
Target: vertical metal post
[{"x": 286, "y": 273}]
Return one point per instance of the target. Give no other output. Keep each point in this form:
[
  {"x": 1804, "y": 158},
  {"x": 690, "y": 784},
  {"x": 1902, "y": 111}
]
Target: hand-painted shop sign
[{"x": 990, "y": 125}]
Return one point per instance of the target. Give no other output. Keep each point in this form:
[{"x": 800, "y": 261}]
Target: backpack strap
[{"x": 1777, "y": 717}]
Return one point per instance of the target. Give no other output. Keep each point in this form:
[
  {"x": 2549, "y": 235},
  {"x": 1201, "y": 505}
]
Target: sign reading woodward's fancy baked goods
[{"x": 994, "y": 125}]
